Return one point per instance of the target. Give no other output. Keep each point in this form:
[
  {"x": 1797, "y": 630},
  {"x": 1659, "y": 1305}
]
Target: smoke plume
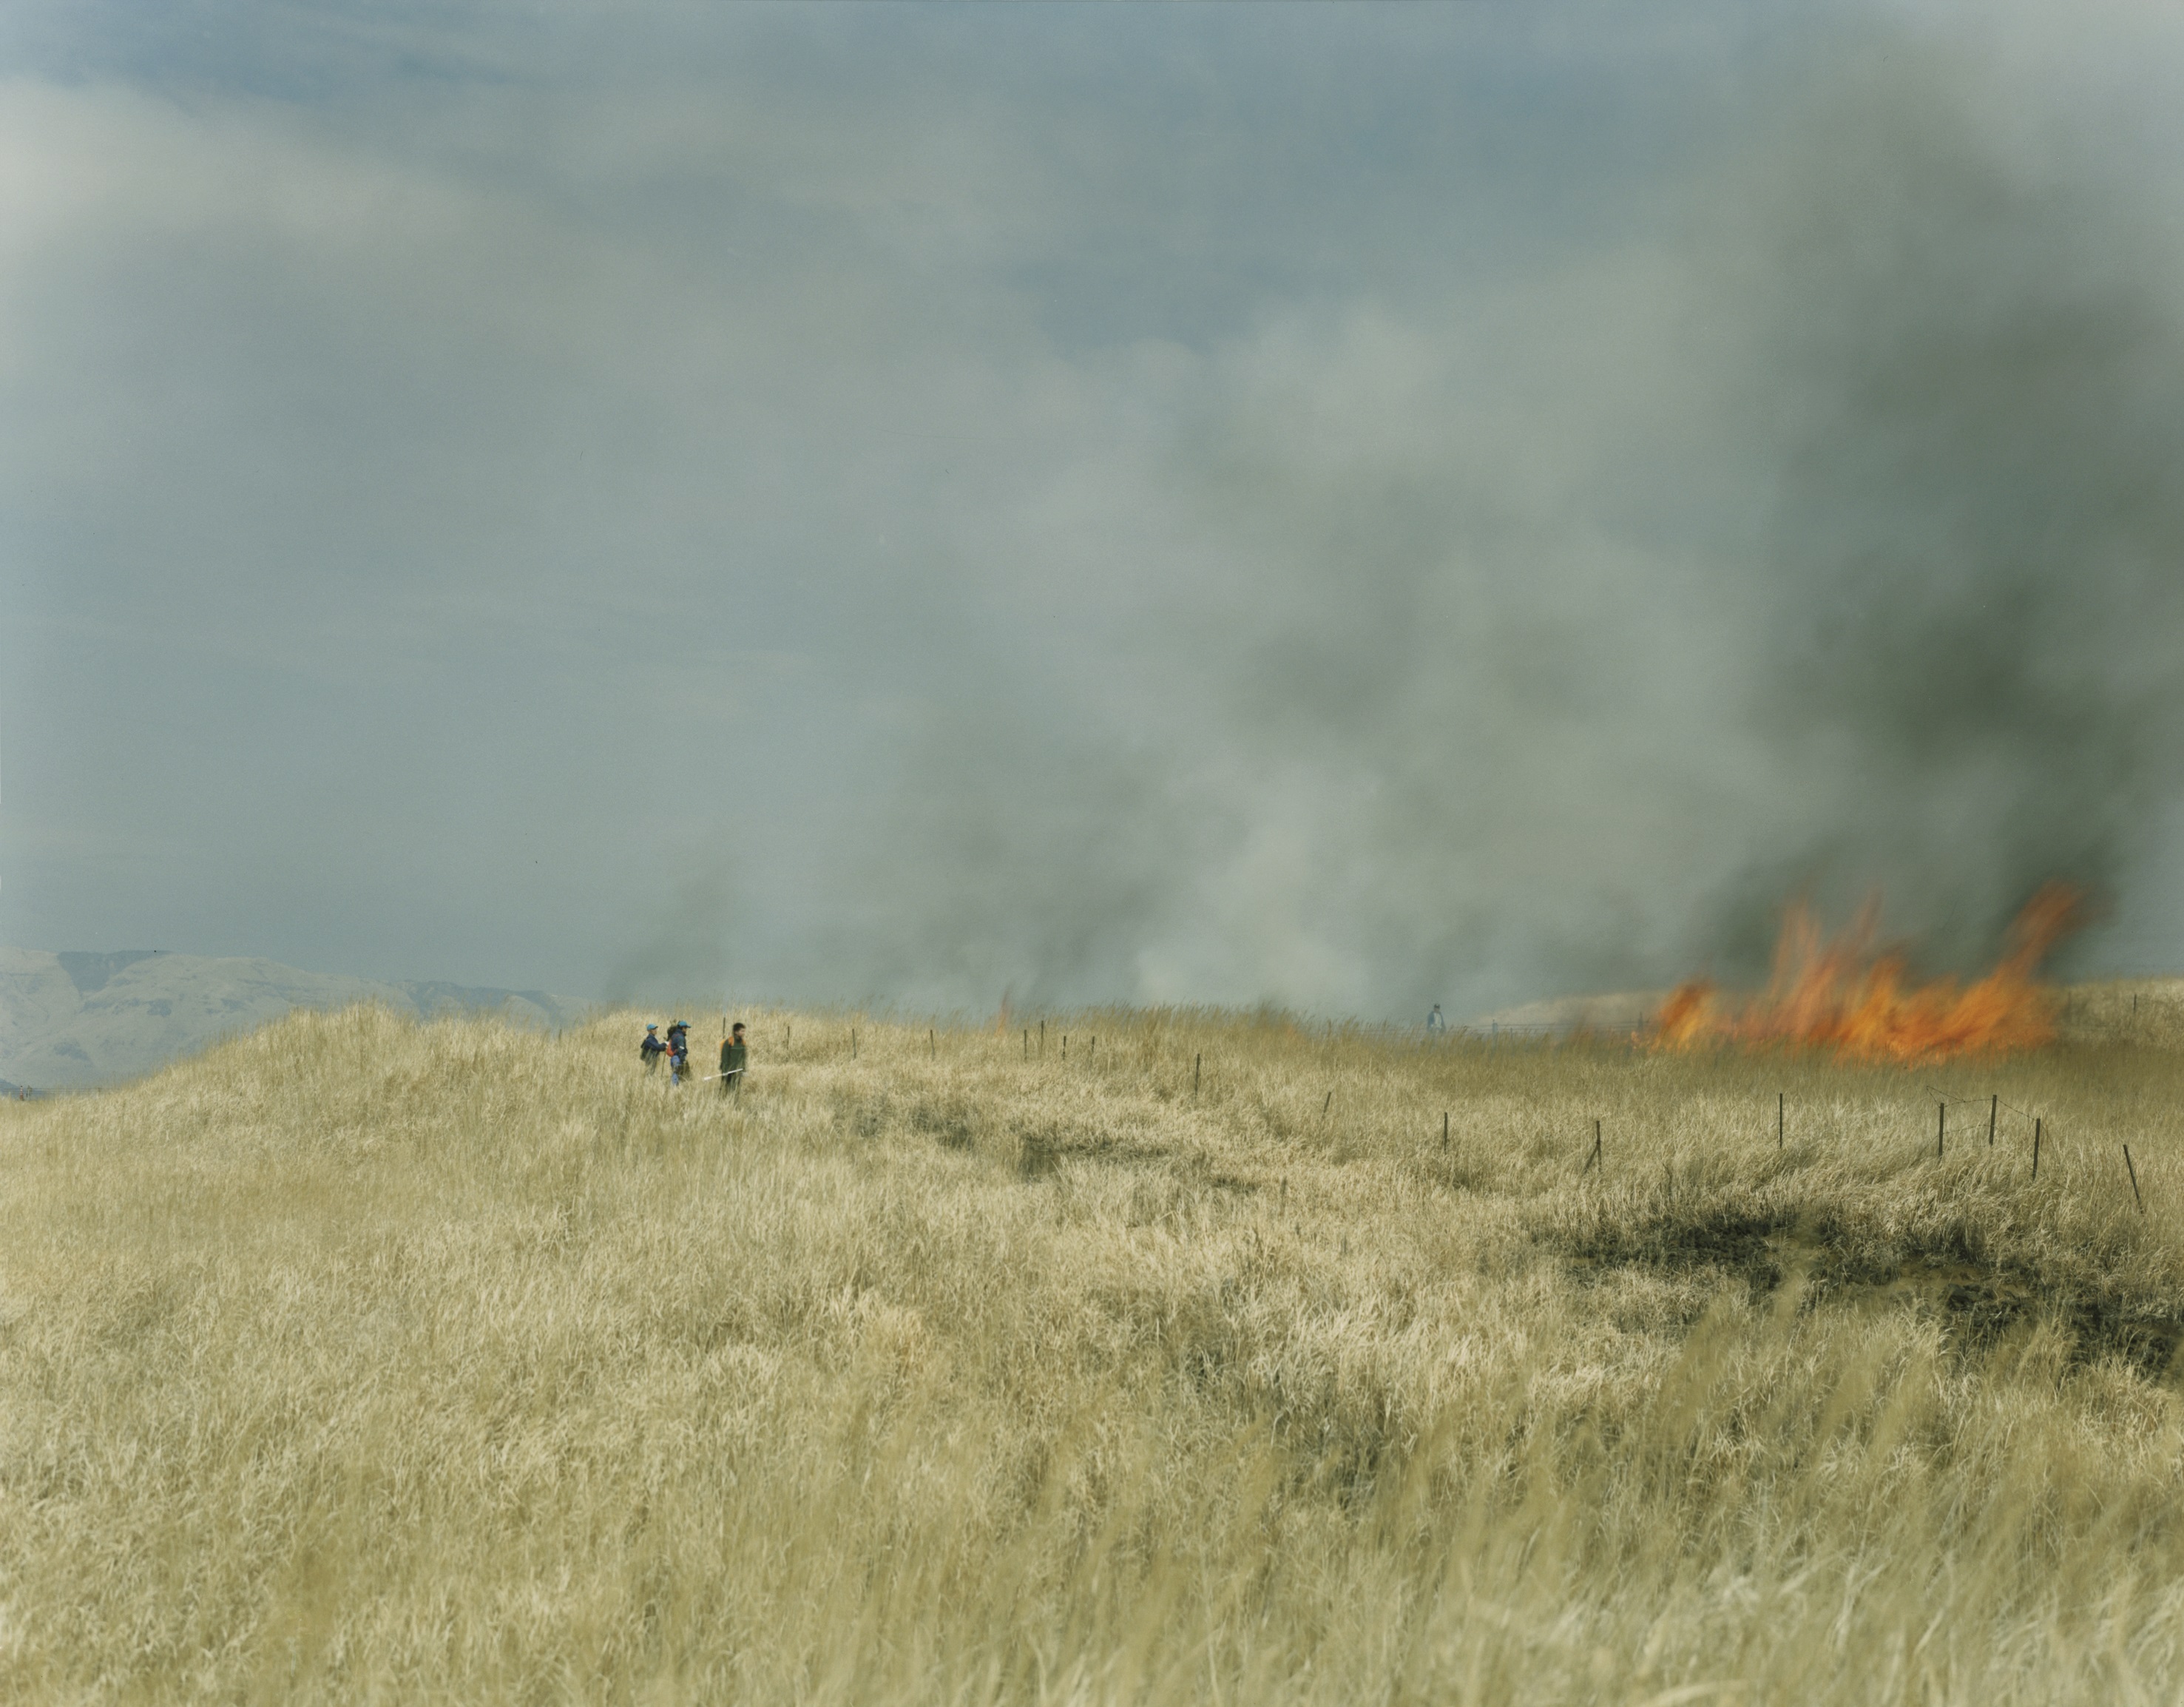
[
  {"x": 1348, "y": 507},
  {"x": 1821, "y": 539}
]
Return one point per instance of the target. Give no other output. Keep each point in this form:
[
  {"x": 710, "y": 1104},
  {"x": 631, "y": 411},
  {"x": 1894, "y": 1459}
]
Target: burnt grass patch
[
  {"x": 1042, "y": 1149},
  {"x": 1981, "y": 1301},
  {"x": 952, "y": 1126},
  {"x": 1740, "y": 1245}
]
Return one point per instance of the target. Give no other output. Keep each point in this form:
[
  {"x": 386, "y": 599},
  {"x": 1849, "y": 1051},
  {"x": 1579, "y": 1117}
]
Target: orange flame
[{"x": 1839, "y": 995}]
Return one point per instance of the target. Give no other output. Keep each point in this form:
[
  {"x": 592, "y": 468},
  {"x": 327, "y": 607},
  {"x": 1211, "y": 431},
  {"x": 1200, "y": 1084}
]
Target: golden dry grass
[{"x": 365, "y": 1360}]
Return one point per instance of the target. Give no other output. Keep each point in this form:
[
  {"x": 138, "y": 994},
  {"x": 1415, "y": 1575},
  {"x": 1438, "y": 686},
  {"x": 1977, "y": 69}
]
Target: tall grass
[{"x": 366, "y": 1359}]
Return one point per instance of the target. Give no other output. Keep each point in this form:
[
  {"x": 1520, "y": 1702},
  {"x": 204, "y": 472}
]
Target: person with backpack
[{"x": 678, "y": 1049}]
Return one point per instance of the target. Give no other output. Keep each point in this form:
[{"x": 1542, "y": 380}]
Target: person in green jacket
[{"x": 735, "y": 1057}]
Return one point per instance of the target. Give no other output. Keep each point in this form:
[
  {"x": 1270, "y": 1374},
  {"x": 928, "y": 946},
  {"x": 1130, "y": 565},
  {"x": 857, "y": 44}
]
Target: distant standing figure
[
  {"x": 652, "y": 1048},
  {"x": 1435, "y": 1025},
  {"x": 678, "y": 1049},
  {"x": 735, "y": 1057}
]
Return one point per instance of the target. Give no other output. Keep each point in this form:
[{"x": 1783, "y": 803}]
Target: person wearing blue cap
[
  {"x": 652, "y": 1048},
  {"x": 678, "y": 1049}
]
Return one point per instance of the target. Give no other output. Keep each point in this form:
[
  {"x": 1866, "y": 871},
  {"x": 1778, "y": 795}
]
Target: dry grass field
[{"x": 360, "y": 1359}]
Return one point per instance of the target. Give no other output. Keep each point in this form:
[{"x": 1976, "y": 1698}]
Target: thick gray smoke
[
  {"x": 1347, "y": 507},
  {"x": 1823, "y": 539},
  {"x": 1969, "y": 380}
]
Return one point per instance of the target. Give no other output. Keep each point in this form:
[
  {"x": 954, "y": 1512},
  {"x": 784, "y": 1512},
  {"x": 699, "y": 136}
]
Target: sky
[{"x": 1342, "y": 507}]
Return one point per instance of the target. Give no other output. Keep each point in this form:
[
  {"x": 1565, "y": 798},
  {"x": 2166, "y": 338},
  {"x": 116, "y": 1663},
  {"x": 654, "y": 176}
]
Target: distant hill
[{"x": 71, "y": 1019}]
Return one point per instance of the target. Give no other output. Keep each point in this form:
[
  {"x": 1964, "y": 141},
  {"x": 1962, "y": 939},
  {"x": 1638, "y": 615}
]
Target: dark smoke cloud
[
  {"x": 1968, "y": 378},
  {"x": 1823, "y": 541}
]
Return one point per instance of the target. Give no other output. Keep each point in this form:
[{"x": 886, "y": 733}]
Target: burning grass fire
[{"x": 1844, "y": 996}]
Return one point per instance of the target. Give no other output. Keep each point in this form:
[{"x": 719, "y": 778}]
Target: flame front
[{"x": 1838, "y": 995}]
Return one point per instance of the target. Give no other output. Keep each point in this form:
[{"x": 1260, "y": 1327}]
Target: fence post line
[
  {"x": 1993, "y": 1106},
  {"x": 1197, "y": 1065},
  {"x": 2133, "y": 1172},
  {"x": 1781, "y": 1098},
  {"x": 1443, "y": 1128},
  {"x": 2035, "y": 1147},
  {"x": 1941, "y": 1131}
]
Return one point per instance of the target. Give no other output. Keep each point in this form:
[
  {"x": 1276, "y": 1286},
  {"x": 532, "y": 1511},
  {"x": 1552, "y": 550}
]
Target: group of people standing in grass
[{"x": 735, "y": 1054}]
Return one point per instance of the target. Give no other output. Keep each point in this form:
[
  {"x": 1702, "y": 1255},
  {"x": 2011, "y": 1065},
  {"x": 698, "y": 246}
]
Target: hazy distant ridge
[{"x": 74, "y": 1018}]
